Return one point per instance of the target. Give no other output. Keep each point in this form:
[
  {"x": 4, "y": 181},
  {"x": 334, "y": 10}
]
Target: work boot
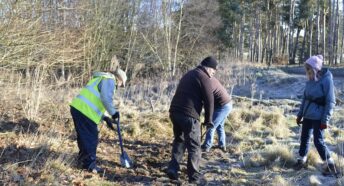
[
  {"x": 300, "y": 164},
  {"x": 197, "y": 180},
  {"x": 223, "y": 148},
  {"x": 96, "y": 170},
  {"x": 172, "y": 174},
  {"x": 205, "y": 149},
  {"x": 331, "y": 169},
  {"x": 194, "y": 181}
]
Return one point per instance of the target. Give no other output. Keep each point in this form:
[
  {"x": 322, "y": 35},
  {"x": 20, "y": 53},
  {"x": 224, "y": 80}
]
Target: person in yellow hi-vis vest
[{"x": 88, "y": 109}]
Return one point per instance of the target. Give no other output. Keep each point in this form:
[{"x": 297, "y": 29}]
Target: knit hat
[
  {"x": 209, "y": 62},
  {"x": 120, "y": 74},
  {"x": 315, "y": 62}
]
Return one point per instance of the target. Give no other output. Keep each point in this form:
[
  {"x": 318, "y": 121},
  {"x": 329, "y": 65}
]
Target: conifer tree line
[
  {"x": 164, "y": 37},
  {"x": 289, "y": 30}
]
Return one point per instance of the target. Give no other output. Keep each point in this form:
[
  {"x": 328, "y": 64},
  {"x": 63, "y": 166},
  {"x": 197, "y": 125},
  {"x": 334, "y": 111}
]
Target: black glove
[
  {"x": 208, "y": 125},
  {"x": 115, "y": 116},
  {"x": 108, "y": 122},
  {"x": 299, "y": 121}
]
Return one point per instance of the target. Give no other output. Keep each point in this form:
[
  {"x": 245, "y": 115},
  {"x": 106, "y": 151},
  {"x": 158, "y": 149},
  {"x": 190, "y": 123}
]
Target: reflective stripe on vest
[{"x": 88, "y": 101}]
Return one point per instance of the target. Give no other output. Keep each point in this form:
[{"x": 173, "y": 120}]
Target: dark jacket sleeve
[{"x": 208, "y": 97}]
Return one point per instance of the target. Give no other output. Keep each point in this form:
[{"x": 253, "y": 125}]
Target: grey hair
[{"x": 120, "y": 74}]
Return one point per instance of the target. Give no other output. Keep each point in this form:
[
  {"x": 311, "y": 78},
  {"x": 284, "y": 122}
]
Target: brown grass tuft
[
  {"x": 149, "y": 125},
  {"x": 272, "y": 154},
  {"x": 313, "y": 157},
  {"x": 279, "y": 180}
]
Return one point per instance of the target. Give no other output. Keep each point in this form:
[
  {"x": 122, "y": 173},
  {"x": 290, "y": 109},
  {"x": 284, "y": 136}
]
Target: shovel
[{"x": 124, "y": 158}]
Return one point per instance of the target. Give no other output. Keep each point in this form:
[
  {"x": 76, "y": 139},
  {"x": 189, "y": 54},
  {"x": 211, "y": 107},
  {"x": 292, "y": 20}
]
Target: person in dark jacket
[
  {"x": 315, "y": 111},
  {"x": 193, "y": 92},
  {"x": 222, "y": 107}
]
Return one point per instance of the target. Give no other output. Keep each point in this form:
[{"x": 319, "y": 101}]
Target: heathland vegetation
[{"x": 49, "y": 48}]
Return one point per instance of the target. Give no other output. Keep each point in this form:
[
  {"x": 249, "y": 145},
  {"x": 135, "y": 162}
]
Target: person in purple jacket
[
  {"x": 315, "y": 112},
  {"x": 193, "y": 93},
  {"x": 222, "y": 108}
]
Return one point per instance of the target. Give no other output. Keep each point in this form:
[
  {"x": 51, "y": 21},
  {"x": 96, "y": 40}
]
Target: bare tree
[
  {"x": 317, "y": 31},
  {"x": 341, "y": 50}
]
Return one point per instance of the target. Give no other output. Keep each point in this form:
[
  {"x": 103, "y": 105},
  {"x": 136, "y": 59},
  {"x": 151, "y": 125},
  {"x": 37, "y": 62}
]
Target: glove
[
  {"x": 323, "y": 126},
  {"x": 299, "y": 121},
  {"x": 115, "y": 116},
  {"x": 108, "y": 122},
  {"x": 208, "y": 125}
]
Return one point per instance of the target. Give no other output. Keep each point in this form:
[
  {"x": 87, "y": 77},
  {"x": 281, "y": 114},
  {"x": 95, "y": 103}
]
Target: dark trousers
[
  {"x": 308, "y": 127},
  {"x": 87, "y": 138},
  {"x": 187, "y": 135}
]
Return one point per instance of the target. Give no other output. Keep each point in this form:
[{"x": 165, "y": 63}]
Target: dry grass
[
  {"x": 47, "y": 147},
  {"x": 271, "y": 155},
  {"x": 313, "y": 158},
  {"x": 253, "y": 128},
  {"x": 148, "y": 125},
  {"x": 279, "y": 180},
  {"x": 42, "y": 150}
]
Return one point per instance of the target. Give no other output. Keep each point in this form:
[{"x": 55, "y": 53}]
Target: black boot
[
  {"x": 300, "y": 164},
  {"x": 172, "y": 174},
  {"x": 96, "y": 170},
  {"x": 331, "y": 170},
  {"x": 223, "y": 148}
]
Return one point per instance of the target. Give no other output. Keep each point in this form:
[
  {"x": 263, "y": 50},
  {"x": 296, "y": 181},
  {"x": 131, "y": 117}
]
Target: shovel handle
[{"x": 119, "y": 136}]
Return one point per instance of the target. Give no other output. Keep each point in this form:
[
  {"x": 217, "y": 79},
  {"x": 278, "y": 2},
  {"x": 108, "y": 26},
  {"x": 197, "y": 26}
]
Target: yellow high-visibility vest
[{"x": 88, "y": 102}]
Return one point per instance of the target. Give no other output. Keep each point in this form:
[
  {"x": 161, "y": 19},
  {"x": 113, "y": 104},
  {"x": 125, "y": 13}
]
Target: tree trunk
[
  {"x": 167, "y": 33},
  {"x": 133, "y": 35},
  {"x": 242, "y": 34},
  {"x": 324, "y": 31},
  {"x": 336, "y": 30},
  {"x": 264, "y": 47},
  {"x": 177, "y": 40},
  {"x": 302, "y": 52},
  {"x": 291, "y": 29},
  {"x": 330, "y": 38},
  {"x": 236, "y": 29},
  {"x": 296, "y": 45},
  {"x": 310, "y": 36},
  {"x": 250, "y": 42},
  {"x": 318, "y": 28},
  {"x": 257, "y": 37},
  {"x": 341, "y": 50},
  {"x": 275, "y": 50}
]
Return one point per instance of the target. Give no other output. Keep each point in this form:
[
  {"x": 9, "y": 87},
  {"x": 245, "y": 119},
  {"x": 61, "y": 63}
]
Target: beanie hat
[
  {"x": 120, "y": 74},
  {"x": 209, "y": 62},
  {"x": 315, "y": 62}
]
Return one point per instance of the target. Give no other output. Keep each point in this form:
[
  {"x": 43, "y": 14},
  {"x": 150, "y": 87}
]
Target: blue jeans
[
  {"x": 308, "y": 127},
  {"x": 219, "y": 118}
]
